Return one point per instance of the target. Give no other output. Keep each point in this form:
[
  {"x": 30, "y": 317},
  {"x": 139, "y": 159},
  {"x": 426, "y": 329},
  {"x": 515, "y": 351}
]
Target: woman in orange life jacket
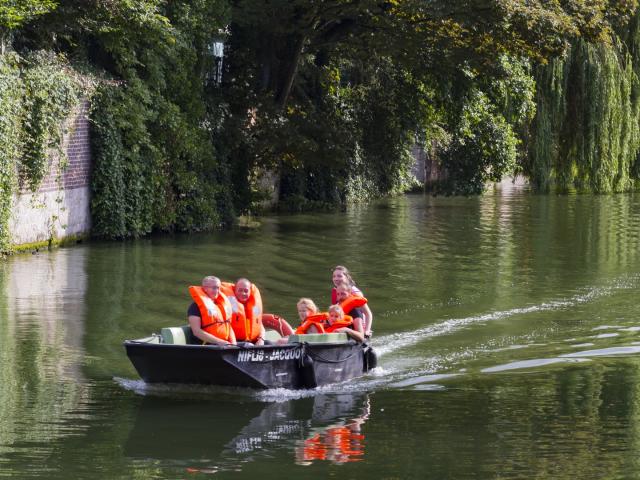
[
  {"x": 210, "y": 313},
  {"x": 342, "y": 275}
]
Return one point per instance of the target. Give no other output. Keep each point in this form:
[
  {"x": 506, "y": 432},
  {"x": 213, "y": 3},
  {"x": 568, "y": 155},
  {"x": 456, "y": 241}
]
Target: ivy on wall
[
  {"x": 51, "y": 92},
  {"x": 11, "y": 95},
  {"x": 36, "y": 93}
]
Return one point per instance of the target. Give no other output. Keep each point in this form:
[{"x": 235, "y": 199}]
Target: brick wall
[
  {"x": 76, "y": 145},
  {"x": 60, "y": 207}
]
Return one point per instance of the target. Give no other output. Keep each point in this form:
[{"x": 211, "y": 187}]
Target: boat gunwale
[{"x": 222, "y": 348}]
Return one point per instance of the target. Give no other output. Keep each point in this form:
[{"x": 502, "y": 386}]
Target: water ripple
[{"x": 390, "y": 343}]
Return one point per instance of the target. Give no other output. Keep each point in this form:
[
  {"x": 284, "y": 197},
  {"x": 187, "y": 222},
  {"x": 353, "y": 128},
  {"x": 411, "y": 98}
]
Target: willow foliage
[{"x": 586, "y": 133}]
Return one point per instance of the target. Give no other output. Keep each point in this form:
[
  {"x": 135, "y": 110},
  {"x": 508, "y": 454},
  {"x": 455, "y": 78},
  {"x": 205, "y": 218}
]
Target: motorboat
[{"x": 303, "y": 362}]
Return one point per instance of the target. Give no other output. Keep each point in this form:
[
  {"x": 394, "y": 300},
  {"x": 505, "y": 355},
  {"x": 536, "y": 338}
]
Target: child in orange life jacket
[
  {"x": 336, "y": 314},
  {"x": 305, "y": 308},
  {"x": 342, "y": 275},
  {"x": 343, "y": 291}
]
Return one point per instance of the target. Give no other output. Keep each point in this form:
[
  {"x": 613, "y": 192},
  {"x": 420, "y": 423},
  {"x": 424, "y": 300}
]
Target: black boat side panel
[{"x": 287, "y": 366}]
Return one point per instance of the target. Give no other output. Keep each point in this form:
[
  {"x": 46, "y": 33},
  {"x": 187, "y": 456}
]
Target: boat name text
[{"x": 269, "y": 356}]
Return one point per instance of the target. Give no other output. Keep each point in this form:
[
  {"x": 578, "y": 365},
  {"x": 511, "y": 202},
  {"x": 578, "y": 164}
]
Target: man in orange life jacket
[
  {"x": 242, "y": 290},
  {"x": 211, "y": 287}
]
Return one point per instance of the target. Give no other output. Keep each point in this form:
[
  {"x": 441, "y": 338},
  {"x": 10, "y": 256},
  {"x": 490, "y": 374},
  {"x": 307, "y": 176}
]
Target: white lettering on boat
[{"x": 269, "y": 356}]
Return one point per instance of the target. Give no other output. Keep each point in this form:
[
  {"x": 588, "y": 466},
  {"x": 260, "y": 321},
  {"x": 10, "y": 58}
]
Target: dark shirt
[
  {"x": 355, "y": 313},
  {"x": 193, "y": 310}
]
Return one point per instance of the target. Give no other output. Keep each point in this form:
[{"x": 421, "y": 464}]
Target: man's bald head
[{"x": 242, "y": 290}]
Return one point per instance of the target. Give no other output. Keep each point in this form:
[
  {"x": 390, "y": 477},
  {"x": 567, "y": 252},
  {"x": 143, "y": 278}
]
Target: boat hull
[{"x": 293, "y": 366}]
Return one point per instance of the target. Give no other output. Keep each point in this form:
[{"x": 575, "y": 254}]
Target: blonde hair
[
  {"x": 307, "y": 302},
  {"x": 336, "y": 308}
]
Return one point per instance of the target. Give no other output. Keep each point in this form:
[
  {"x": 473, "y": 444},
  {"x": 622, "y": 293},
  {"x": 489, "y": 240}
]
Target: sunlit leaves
[{"x": 14, "y": 13}]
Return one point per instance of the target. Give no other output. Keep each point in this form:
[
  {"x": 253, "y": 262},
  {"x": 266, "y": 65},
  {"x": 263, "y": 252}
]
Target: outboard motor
[{"x": 370, "y": 358}]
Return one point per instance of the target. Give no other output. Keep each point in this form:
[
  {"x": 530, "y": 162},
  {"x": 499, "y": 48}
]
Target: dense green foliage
[
  {"x": 50, "y": 93},
  {"x": 328, "y": 98},
  {"x": 152, "y": 127},
  {"x": 340, "y": 91},
  {"x": 36, "y": 94},
  {"x": 11, "y": 92},
  {"x": 14, "y": 13}
]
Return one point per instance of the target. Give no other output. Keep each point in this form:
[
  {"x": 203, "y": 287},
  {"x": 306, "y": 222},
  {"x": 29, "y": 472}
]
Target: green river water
[{"x": 508, "y": 329}]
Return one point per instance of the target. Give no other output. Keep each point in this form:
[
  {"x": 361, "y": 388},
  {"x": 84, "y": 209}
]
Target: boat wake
[
  {"x": 423, "y": 372},
  {"x": 390, "y": 343}
]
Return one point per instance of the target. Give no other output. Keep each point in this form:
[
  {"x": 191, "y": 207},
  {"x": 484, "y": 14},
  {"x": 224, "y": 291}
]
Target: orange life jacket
[
  {"x": 351, "y": 302},
  {"x": 347, "y": 321},
  {"x": 334, "y": 293},
  {"x": 215, "y": 315},
  {"x": 318, "y": 320},
  {"x": 321, "y": 322},
  {"x": 247, "y": 318}
]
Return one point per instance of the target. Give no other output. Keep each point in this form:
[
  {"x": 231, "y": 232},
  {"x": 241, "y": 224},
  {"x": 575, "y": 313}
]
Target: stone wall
[
  {"x": 418, "y": 168},
  {"x": 60, "y": 208},
  {"x": 426, "y": 168}
]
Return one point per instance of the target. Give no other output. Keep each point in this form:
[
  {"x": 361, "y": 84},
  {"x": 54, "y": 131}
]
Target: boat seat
[
  {"x": 271, "y": 335},
  {"x": 319, "y": 338},
  {"x": 178, "y": 335}
]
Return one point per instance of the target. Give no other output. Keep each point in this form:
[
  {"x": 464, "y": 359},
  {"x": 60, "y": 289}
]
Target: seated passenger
[
  {"x": 333, "y": 321},
  {"x": 341, "y": 275},
  {"x": 305, "y": 308},
  {"x": 338, "y": 322},
  {"x": 246, "y": 304},
  {"x": 311, "y": 321},
  {"x": 210, "y": 313},
  {"x": 353, "y": 305}
]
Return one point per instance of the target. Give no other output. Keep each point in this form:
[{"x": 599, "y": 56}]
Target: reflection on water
[
  {"x": 508, "y": 327},
  {"x": 42, "y": 308},
  {"x": 205, "y": 439},
  {"x": 341, "y": 442}
]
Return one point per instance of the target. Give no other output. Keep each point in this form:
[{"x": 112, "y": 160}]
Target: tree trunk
[{"x": 290, "y": 73}]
